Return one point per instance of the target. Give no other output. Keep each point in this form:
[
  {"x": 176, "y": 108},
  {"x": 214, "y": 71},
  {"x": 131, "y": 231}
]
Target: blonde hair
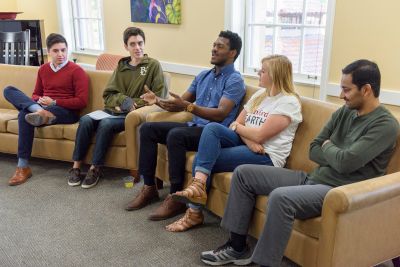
[{"x": 280, "y": 72}]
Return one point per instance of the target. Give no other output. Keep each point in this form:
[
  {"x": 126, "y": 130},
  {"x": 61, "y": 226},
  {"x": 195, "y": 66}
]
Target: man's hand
[
  {"x": 149, "y": 96},
  {"x": 173, "y": 104},
  {"x": 133, "y": 107},
  {"x": 45, "y": 101},
  {"x": 326, "y": 142}
]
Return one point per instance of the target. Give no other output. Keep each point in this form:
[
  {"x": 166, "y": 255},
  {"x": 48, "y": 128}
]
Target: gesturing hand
[
  {"x": 173, "y": 104},
  {"x": 149, "y": 96}
]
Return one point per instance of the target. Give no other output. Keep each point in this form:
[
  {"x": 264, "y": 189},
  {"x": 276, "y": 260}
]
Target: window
[
  {"x": 83, "y": 24},
  {"x": 295, "y": 28}
]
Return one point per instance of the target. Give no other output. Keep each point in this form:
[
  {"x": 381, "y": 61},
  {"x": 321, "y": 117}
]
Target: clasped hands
[
  {"x": 176, "y": 103},
  {"x": 45, "y": 101},
  {"x": 253, "y": 146}
]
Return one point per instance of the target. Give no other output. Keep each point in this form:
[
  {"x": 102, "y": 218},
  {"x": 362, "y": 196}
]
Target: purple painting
[{"x": 156, "y": 11}]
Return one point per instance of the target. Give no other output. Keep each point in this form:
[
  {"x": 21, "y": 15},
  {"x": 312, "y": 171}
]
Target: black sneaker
[
  {"x": 92, "y": 178},
  {"x": 226, "y": 254},
  {"x": 74, "y": 177}
]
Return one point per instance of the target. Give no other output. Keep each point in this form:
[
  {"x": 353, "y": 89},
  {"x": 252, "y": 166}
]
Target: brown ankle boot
[
  {"x": 147, "y": 195},
  {"x": 168, "y": 209}
]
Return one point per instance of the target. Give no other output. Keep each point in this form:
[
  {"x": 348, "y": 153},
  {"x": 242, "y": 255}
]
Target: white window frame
[
  {"x": 235, "y": 20},
  {"x": 65, "y": 11}
]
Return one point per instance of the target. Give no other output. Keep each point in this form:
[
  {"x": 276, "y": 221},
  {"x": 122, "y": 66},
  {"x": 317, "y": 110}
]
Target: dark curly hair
[{"x": 235, "y": 42}]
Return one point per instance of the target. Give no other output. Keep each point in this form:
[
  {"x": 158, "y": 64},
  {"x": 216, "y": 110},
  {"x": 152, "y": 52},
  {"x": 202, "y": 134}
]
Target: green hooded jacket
[{"x": 129, "y": 81}]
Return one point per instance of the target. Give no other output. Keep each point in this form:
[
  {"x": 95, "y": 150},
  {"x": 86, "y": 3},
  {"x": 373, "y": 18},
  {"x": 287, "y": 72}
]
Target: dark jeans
[
  {"x": 26, "y": 131},
  {"x": 179, "y": 138},
  {"x": 105, "y": 130}
]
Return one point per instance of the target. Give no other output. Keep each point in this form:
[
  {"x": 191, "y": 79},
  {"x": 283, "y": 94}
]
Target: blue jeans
[
  {"x": 105, "y": 131},
  {"x": 26, "y": 131},
  {"x": 222, "y": 150}
]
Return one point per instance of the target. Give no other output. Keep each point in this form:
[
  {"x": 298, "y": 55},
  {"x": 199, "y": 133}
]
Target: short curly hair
[{"x": 235, "y": 42}]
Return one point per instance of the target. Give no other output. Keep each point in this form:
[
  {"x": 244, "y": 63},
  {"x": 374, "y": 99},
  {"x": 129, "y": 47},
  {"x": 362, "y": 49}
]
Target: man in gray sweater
[{"x": 356, "y": 144}]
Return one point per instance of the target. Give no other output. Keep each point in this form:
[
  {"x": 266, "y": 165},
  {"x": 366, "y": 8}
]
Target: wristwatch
[
  {"x": 234, "y": 126},
  {"x": 190, "y": 108}
]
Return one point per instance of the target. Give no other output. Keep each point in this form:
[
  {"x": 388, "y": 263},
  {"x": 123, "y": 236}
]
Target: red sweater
[{"x": 68, "y": 86}]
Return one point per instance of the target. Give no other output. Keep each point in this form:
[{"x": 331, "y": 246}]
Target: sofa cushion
[
  {"x": 70, "y": 134},
  {"x": 5, "y": 116},
  {"x": 47, "y": 132}
]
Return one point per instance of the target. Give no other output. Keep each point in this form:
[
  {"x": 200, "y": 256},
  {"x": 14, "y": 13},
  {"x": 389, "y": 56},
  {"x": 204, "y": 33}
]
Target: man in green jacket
[
  {"x": 121, "y": 96},
  {"x": 356, "y": 144}
]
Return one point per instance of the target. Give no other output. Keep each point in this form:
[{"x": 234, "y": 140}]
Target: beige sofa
[
  {"x": 57, "y": 141},
  {"x": 360, "y": 223}
]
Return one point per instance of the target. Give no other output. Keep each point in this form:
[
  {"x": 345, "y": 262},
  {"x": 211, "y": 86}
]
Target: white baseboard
[
  {"x": 166, "y": 66},
  {"x": 387, "y": 96},
  {"x": 87, "y": 66},
  {"x": 182, "y": 68}
]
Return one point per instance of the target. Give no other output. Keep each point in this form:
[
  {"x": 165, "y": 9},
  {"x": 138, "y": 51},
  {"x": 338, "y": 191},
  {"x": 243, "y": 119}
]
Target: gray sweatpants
[{"x": 291, "y": 196}]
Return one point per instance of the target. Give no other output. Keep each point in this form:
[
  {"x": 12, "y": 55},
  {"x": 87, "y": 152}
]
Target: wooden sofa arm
[
  {"x": 132, "y": 122},
  {"x": 169, "y": 116},
  {"x": 360, "y": 223}
]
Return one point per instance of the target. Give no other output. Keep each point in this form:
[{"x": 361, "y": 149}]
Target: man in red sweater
[{"x": 61, "y": 91}]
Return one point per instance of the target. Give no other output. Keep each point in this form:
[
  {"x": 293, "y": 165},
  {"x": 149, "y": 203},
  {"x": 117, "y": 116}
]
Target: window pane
[
  {"x": 288, "y": 43},
  {"x": 262, "y": 11},
  {"x": 261, "y": 45},
  {"x": 86, "y": 9},
  {"x": 316, "y": 12},
  {"x": 290, "y": 11},
  {"x": 88, "y": 34},
  {"x": 313, "y": 49},
  {"x": 302, "y": 42}
]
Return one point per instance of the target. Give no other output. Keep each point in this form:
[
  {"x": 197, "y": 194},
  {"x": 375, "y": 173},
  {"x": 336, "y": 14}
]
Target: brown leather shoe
[
  {"x": 168, "y": 209},
  {"x": 147, "y": 195},
  {"x": 39, "y": 118},
  {"x": 20, "y": 176}
]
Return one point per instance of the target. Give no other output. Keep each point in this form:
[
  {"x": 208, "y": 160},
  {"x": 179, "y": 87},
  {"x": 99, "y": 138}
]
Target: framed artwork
[{"x": 156, "y": 11}]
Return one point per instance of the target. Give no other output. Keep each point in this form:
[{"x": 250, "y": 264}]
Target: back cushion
[
  {"x": 21, "y": 77},
  {"x": 394, "y": 164},
  {"x": 315, "y": 115},
  {"x": 97, "y": 83},
  {"x": 107, "y": 62},
  {"x": 250, "y": 90}
]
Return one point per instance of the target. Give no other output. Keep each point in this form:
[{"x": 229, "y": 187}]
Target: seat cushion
[
  {"x": 5, "y": 116},
  {"x": 47, "y": 132},
  {"x": 71, "y": 129}
]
